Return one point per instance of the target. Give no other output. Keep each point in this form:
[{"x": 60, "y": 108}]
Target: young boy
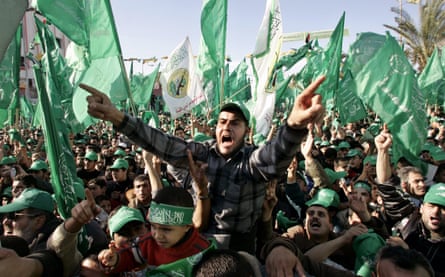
[{"x": 170, "y": 244}]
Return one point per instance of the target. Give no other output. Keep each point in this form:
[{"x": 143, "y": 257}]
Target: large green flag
[
  {"x": 142, "y": 86},
  {"x": 362, "y": 50},
  {"x": 331, "y": 62},
  {"x": 349, "y": 106},
  {"x": 9, "y": 80},
  {"x": 431, "y": 77},
  {"x": 101, "y": 66},
  {"x": 68, "y": 16},
  {"x": 60, "y": 157},
  {"x": 212, "y": 53},
  {"x": 387, "y": 84}
]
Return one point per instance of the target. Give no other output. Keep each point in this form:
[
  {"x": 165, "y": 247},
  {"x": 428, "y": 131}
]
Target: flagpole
[{"x": 221, "y": 91}]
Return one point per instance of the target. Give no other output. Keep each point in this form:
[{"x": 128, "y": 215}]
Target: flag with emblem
[{"x": 181, "y": 87}]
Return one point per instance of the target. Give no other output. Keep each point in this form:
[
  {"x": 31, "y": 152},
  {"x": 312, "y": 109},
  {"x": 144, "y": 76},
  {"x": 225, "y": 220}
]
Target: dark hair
[
  {"x": 141, "y": 178},
  {"x": 101, "y": 198},
  {"x": 222, "y": 263},
  {"x": 174, "y": 196},
  {"x": 28, "y": 180},
  {"x": 408, "y": 259},
  {"x": 99, "y": 181}
]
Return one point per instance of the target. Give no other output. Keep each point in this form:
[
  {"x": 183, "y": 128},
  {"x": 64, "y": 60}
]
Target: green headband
[{"x": 170, "y": 215}]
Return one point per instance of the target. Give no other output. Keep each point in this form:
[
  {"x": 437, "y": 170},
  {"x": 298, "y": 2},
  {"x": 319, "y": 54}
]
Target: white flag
[
  {"x": 267, "y": 51},
  {"x": 181, "y": 87}
]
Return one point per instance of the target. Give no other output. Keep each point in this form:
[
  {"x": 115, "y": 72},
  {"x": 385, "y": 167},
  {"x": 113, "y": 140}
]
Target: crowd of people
[{"x": 314, "y": 198}]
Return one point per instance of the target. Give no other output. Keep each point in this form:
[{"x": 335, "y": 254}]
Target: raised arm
[
  {"x": 202, "y": 209},
  {"x": 383, "y": 167}
]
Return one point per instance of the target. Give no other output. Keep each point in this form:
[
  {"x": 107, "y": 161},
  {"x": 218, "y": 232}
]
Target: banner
[
  {"x": 181, "y": 87},
  {"x": 266, "y": 53}
]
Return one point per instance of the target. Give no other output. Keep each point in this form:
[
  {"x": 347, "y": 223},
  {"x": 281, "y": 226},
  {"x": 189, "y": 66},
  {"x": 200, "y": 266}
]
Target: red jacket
[{"x": 150, "y": 253}]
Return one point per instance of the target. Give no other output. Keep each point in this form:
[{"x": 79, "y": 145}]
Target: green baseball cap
[
  {"x": 120, "y": 152},
  {"x": 325, "y": 198},
  {"x": 30, "y": 198},
  {"x": 366, "y": 247},
  {"x": 8, "y": 160},
  {"x": 238, "y": 109},
  {"x": 325, "y": 143},
  {"x": 123, "y": 216},
  {"x": 119, "y": 163},
  {"x": 334, "y": 175},
  {"x": 436, "y": 195},
  {"x": 344, "y": 144},
  {"x": 353, "y": 152},
  {"x": 38, "y": 165},
  {"x": 7, "y": 192},
  {"x": 363, "y": 185},
  {"x": 91, "y": 155}
]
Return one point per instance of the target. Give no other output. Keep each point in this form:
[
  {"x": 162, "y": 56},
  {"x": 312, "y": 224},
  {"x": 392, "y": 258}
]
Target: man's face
[
  {"x": 355, "y": 162},
  {"x": 180, "y": 133},
  {"x": 433, "y": 217},
  {"x": 24, "y": 224},
  {"x": 17, "y": 188},
  {"x": 142, "y": 190},
  {"x": 362, "y": 194},
  {"x": 317, "y": 222},
  {"x": 89, "y": 165},
  {"x": 416, "y": 183},
  {"x": 230, "y": 132},
  {"x": 119, "y": 175}
]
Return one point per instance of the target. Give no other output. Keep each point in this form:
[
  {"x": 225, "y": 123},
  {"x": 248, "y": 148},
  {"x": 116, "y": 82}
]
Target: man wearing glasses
[{"x": 31, "y": 217}]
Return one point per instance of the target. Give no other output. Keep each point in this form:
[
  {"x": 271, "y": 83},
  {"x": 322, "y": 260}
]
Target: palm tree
[{"x": 420, "y": 41}]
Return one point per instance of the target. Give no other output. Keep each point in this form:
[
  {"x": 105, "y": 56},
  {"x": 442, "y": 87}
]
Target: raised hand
[
  {"x": 100, "y": 106},
  {"x": 308, "y": 107}
]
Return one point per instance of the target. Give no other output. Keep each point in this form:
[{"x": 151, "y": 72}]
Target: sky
[{"x": 153, "y": 28}]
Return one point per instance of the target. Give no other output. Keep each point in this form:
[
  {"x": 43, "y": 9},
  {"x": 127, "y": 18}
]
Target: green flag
[
  {"x": 26, "y": 109},
  {"x": 142, "y": 86},
  {"x": 212, "y": 53},
  {"x": 349, "y": 106},
  {"x": 388, "y": 86},
  {"x": 9, "y": 79},
  {"x": 68, "y": 16},
  {"x": 238, "y": 85},
  {"x": 293, "y": 57},
  {"x": 60, "y": 157},
  {"x": 431, "y": 77},
  {"x": 331, "y": 62},
  {"x": 101, "y": 65},
  {"x": 362, "y": 50}
]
